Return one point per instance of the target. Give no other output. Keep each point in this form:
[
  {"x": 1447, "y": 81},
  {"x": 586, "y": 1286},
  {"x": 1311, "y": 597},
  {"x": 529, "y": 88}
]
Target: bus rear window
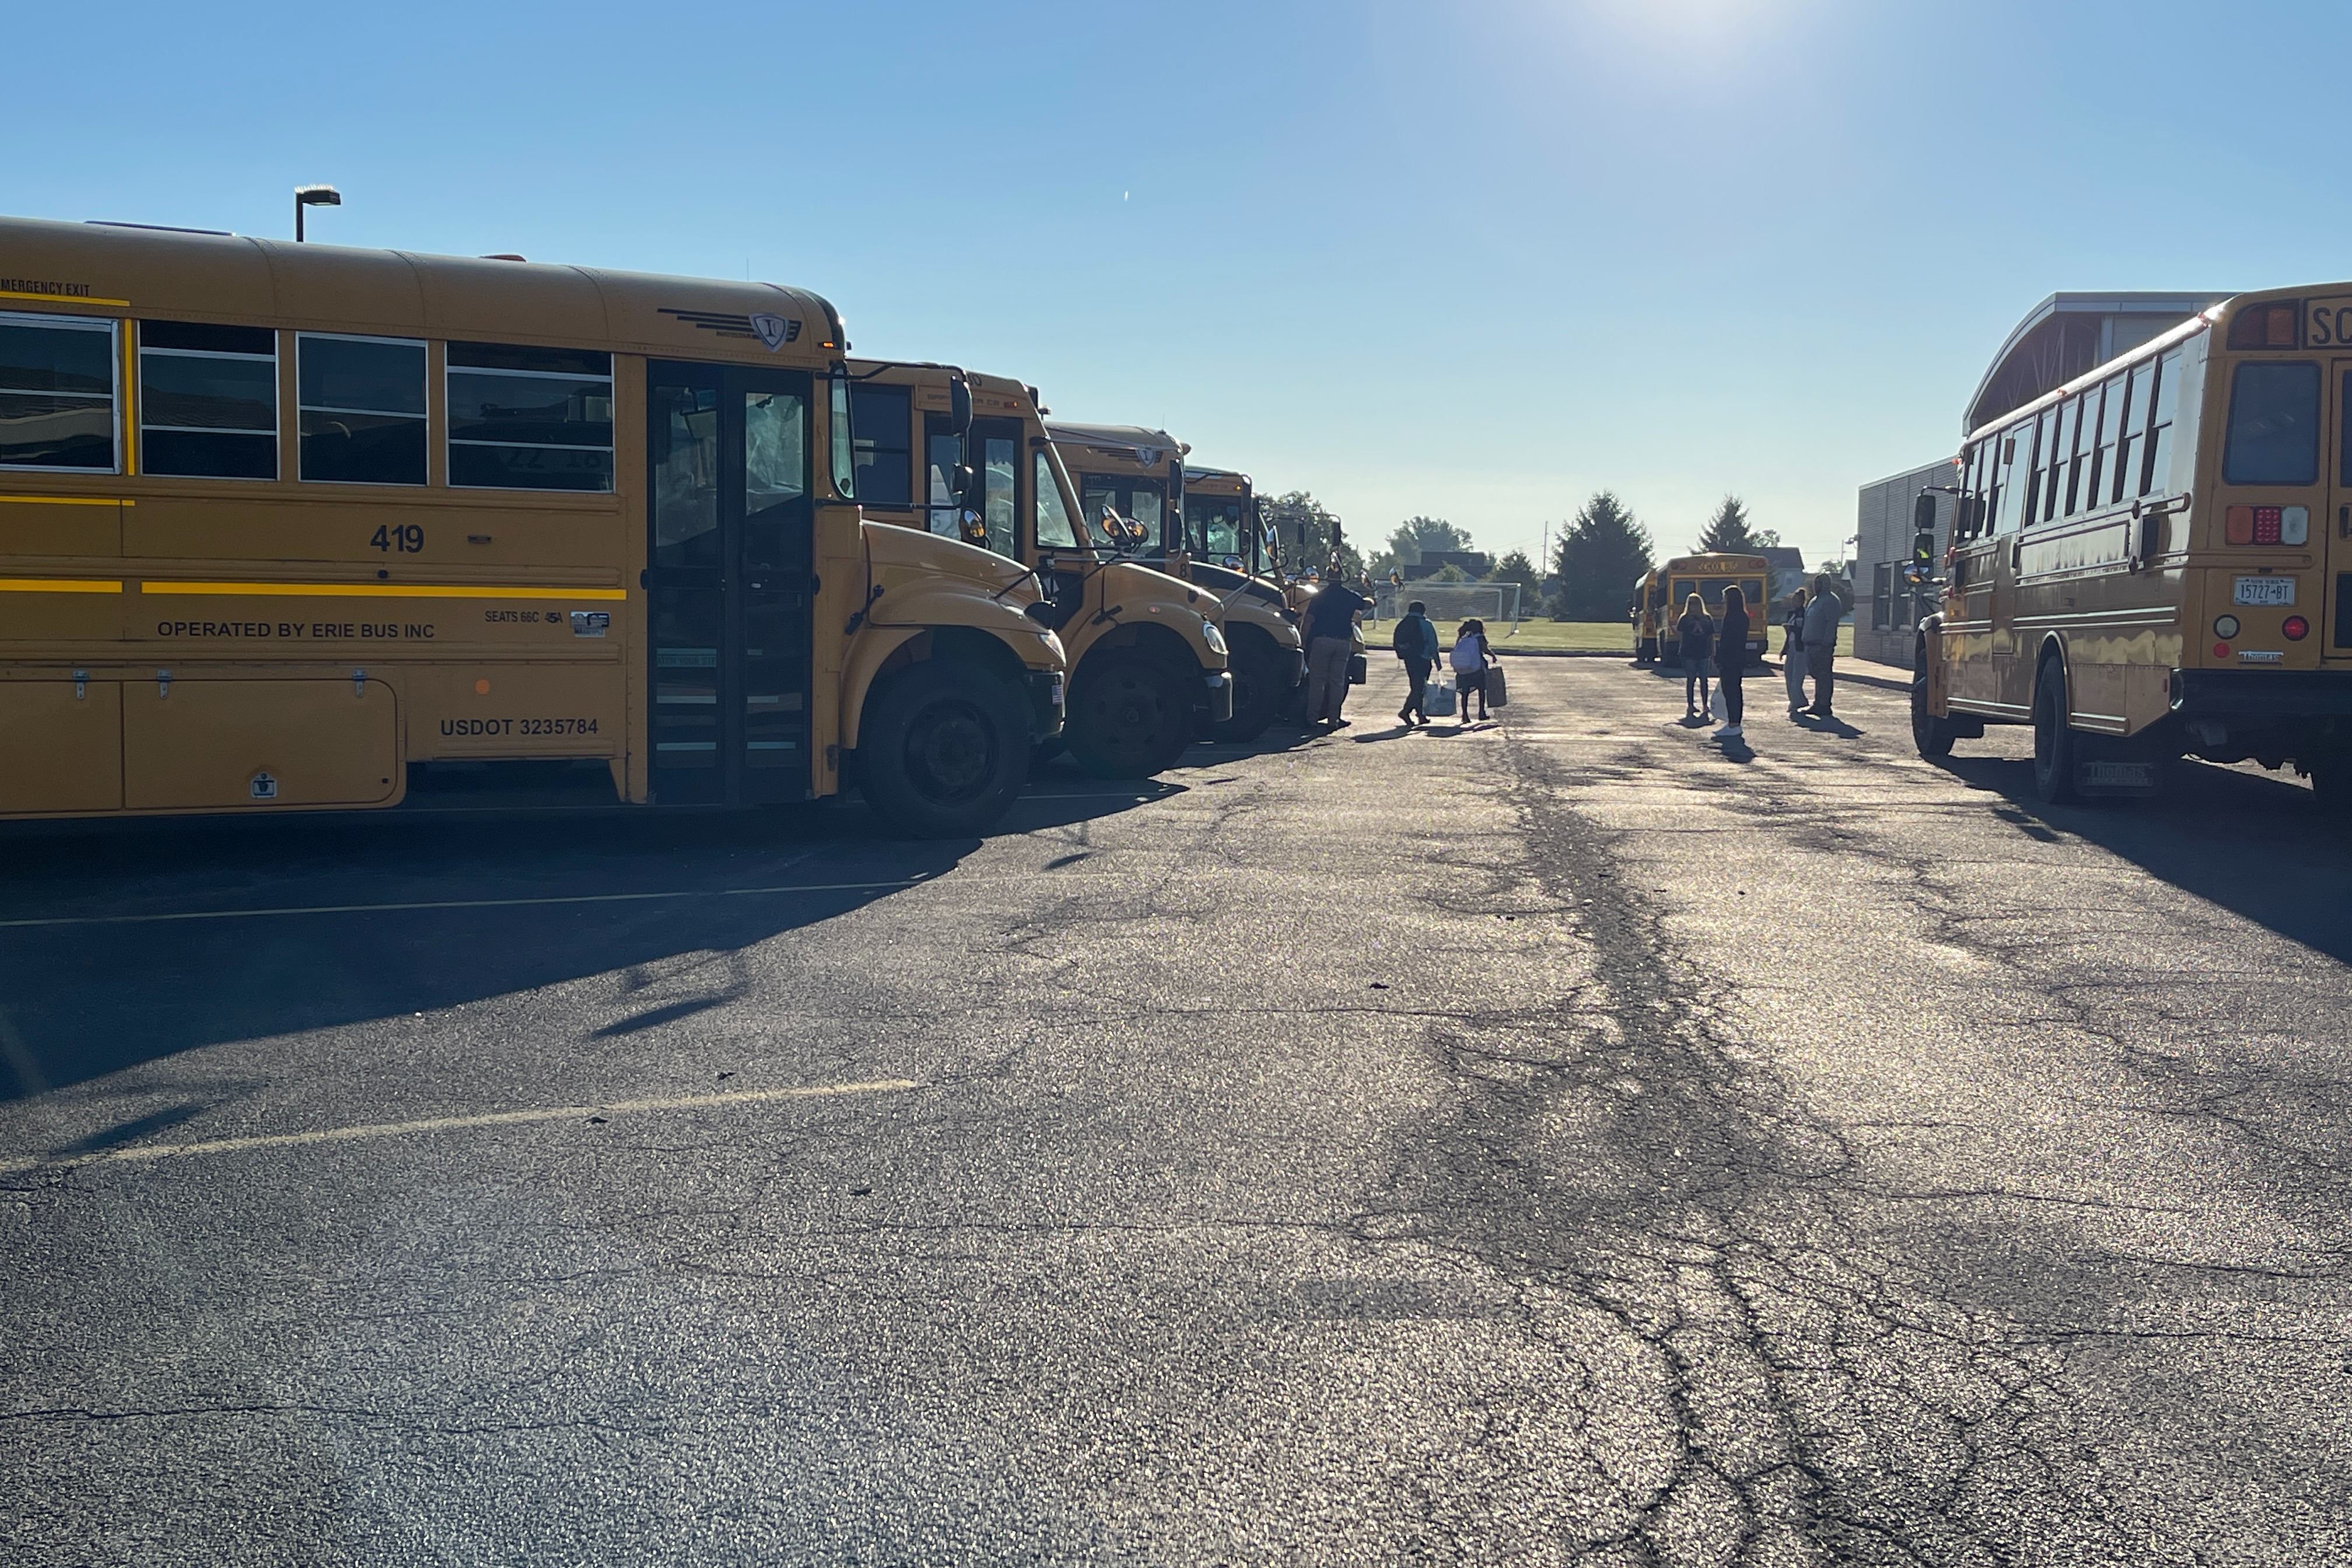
[{"x": 2273, "y": 424}]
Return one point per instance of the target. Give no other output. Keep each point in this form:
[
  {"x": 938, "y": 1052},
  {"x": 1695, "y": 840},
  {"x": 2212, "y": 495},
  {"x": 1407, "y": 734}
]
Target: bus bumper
[
  {"x": 1215, "y": 703},
  {"x": 2262, "y": 693},
  {"x": 1047, "y": 688},
  {"x": 1294, "y": 666}
]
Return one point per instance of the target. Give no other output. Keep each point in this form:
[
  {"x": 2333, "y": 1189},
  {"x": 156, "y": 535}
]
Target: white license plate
[{"x": 2263, "y": 591}]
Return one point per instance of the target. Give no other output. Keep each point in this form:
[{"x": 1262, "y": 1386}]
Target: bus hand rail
[{"x": 2147, "y": 514}]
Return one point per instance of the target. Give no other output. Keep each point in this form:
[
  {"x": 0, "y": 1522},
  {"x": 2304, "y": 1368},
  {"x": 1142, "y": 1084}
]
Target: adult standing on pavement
[
  {"x": 1695, "y": 643},
  {"x": 1792, "y": 652},
  {"x": 1731, "y": 658},
  {"x": 1415, "y": 641},
  {"x": 1821, "y": 618},
  {"x": 1331, "y": 618}
]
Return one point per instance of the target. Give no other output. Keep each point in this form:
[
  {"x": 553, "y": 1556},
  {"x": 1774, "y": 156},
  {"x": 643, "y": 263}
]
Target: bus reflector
[
  {"x": 2295, "y": 627},
  {"x": 2220, "y": 650},
  {"x": 2265, "y": 326}
]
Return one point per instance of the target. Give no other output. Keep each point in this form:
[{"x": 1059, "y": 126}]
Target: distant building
[
  {"x": 2060, "y": 338},
  {"x": 1885, "y": 619},
  {"x": 1473, "y": 563}
]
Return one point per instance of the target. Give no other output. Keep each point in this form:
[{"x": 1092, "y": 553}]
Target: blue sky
[{"x": 1471, "y": 260}]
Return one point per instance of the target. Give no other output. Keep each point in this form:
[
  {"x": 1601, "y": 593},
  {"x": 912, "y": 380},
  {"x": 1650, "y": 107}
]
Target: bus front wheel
[
  {"x": 1932, "y": 735},
  {"x": 2054, "y": 747},
  {"x": 1129, "y": 717},
  {"x": 1257, "y": 693},
  {"x": 944, "y": 751}
]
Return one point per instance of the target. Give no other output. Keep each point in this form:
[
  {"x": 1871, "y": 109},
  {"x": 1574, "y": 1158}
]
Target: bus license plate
[{"x": 2264, "y": 591}]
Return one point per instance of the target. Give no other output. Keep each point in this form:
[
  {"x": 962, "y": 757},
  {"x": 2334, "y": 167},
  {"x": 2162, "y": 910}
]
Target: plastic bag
[
  {"x": 1438, "y": 701},
  {"x": 1717, "y": 709},
  {"x": 1498, "y": 690}
]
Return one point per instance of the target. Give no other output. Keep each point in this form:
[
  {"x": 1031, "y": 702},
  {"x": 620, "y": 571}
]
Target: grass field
[{"x": 1577, "y": 636}]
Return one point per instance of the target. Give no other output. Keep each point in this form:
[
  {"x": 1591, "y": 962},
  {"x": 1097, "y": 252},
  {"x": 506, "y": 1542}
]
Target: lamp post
[{"x": 313, "y": 197}]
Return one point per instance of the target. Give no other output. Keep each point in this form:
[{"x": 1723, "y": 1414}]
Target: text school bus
[
  {"x": 1147, "y": 655},
  {"x": 2156, "y": 559},
  {"x": 279, "y": 521},
  {"x": 1139, "y": 473}
]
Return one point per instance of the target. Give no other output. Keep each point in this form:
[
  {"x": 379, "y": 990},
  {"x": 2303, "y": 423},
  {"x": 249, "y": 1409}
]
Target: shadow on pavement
[
  {"x": 120, "y": 943},
  {"x": 2260, "y": 846}
]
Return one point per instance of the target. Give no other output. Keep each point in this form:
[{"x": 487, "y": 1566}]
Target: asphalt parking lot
[{"x": 1554, "y": 1141}]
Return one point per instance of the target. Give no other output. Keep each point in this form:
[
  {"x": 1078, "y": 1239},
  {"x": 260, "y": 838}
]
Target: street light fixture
[{"x": 313, "y": 197}]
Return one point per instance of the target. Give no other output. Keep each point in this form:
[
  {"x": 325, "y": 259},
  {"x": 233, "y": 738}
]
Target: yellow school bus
[
  {"x": 2154, "y": 559},
  {"x": 1147, "y": 655},
  {"x": 1647, "y": 614},
  {"x": 1674, "y": 580},
  {"x": 281, "y": 524},
  {"x": 1225, "y": 550},
  {"x": 1137, "y": 472}
]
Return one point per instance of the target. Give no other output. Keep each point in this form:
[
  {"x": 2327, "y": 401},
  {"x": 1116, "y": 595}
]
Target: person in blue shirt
[{"x": 1415, "y": 641}]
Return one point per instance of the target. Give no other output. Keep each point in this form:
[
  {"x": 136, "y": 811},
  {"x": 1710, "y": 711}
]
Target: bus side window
[
  {"x": 2159, "y": 471},
  {"x": 2078, "y": 428},
  {"x": 882, "y": 427},
  {"x": 2016, "y": 453},
  {"x": 2103, "y": 457},
  {"x": 2042, "y": 479},
  {"x": 57, "y": 387},
  {"x": 1053, "y": 528},
  {"x": 2127, "y": 456}
]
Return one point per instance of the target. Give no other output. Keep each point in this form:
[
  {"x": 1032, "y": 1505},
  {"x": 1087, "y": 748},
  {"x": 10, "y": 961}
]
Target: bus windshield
[{"x": 1216, "y": 526}]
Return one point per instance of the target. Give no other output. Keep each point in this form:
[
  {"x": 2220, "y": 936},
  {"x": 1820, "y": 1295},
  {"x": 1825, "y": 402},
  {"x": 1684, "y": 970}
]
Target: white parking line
[
  {"x": 149, "y": 1152},
  {"x": 465, "y": 904}
]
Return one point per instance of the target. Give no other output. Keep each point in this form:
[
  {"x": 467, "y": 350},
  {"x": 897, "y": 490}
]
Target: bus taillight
[
  {"x": 2295, "y": 627},
  {"x": 2266, "y": 524}
]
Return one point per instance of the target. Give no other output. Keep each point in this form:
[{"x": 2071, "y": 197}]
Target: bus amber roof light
[
  {"x": 2237, "y": 525},
  {"x": 2265, "y": 326}
]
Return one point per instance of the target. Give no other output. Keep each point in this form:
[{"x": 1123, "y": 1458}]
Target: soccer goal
[{"x": 1451, "y": 604}]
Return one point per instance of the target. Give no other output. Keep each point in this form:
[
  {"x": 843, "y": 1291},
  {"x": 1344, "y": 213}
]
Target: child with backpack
[{"x": 1472, "y": 658}]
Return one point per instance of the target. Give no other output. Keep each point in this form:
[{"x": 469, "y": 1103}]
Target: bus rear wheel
[
  {"x": 2054, "y": 747},
  {"x": 944, "y": 751},
  {"x": 1932, "y": 735},
  {"x": 1129, "y": 717}
]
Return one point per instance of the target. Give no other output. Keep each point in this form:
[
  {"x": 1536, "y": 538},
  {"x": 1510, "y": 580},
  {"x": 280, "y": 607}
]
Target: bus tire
[
  {"x": 1257, "y": 693},
  {"x": 2054, "y": 747},
  {"x": 944, "y": 750},
  {"x": 1932, "y": 735},
  {"x": 1129, "y": 717}
]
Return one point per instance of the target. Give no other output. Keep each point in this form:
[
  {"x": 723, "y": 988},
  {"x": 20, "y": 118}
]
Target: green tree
[
  {"x": 1308, "y": 536},
  {"x": 1516, "y": 567},
  {"x": 1603, "y": 551},
  {"x": 1730, "y": 531},
  {"x": 1416, "y": 536}
]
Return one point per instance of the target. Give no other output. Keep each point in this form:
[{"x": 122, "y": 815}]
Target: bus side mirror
[
  {"x": 963, "y": 481},
  {"x": 1923, "y": 550},
  {"x": 1923, "y": 512},
  {"x": 959, "y": 405}
]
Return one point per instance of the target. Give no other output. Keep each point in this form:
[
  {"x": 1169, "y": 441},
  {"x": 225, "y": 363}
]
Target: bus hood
[{"x": 896, "y": 555}]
